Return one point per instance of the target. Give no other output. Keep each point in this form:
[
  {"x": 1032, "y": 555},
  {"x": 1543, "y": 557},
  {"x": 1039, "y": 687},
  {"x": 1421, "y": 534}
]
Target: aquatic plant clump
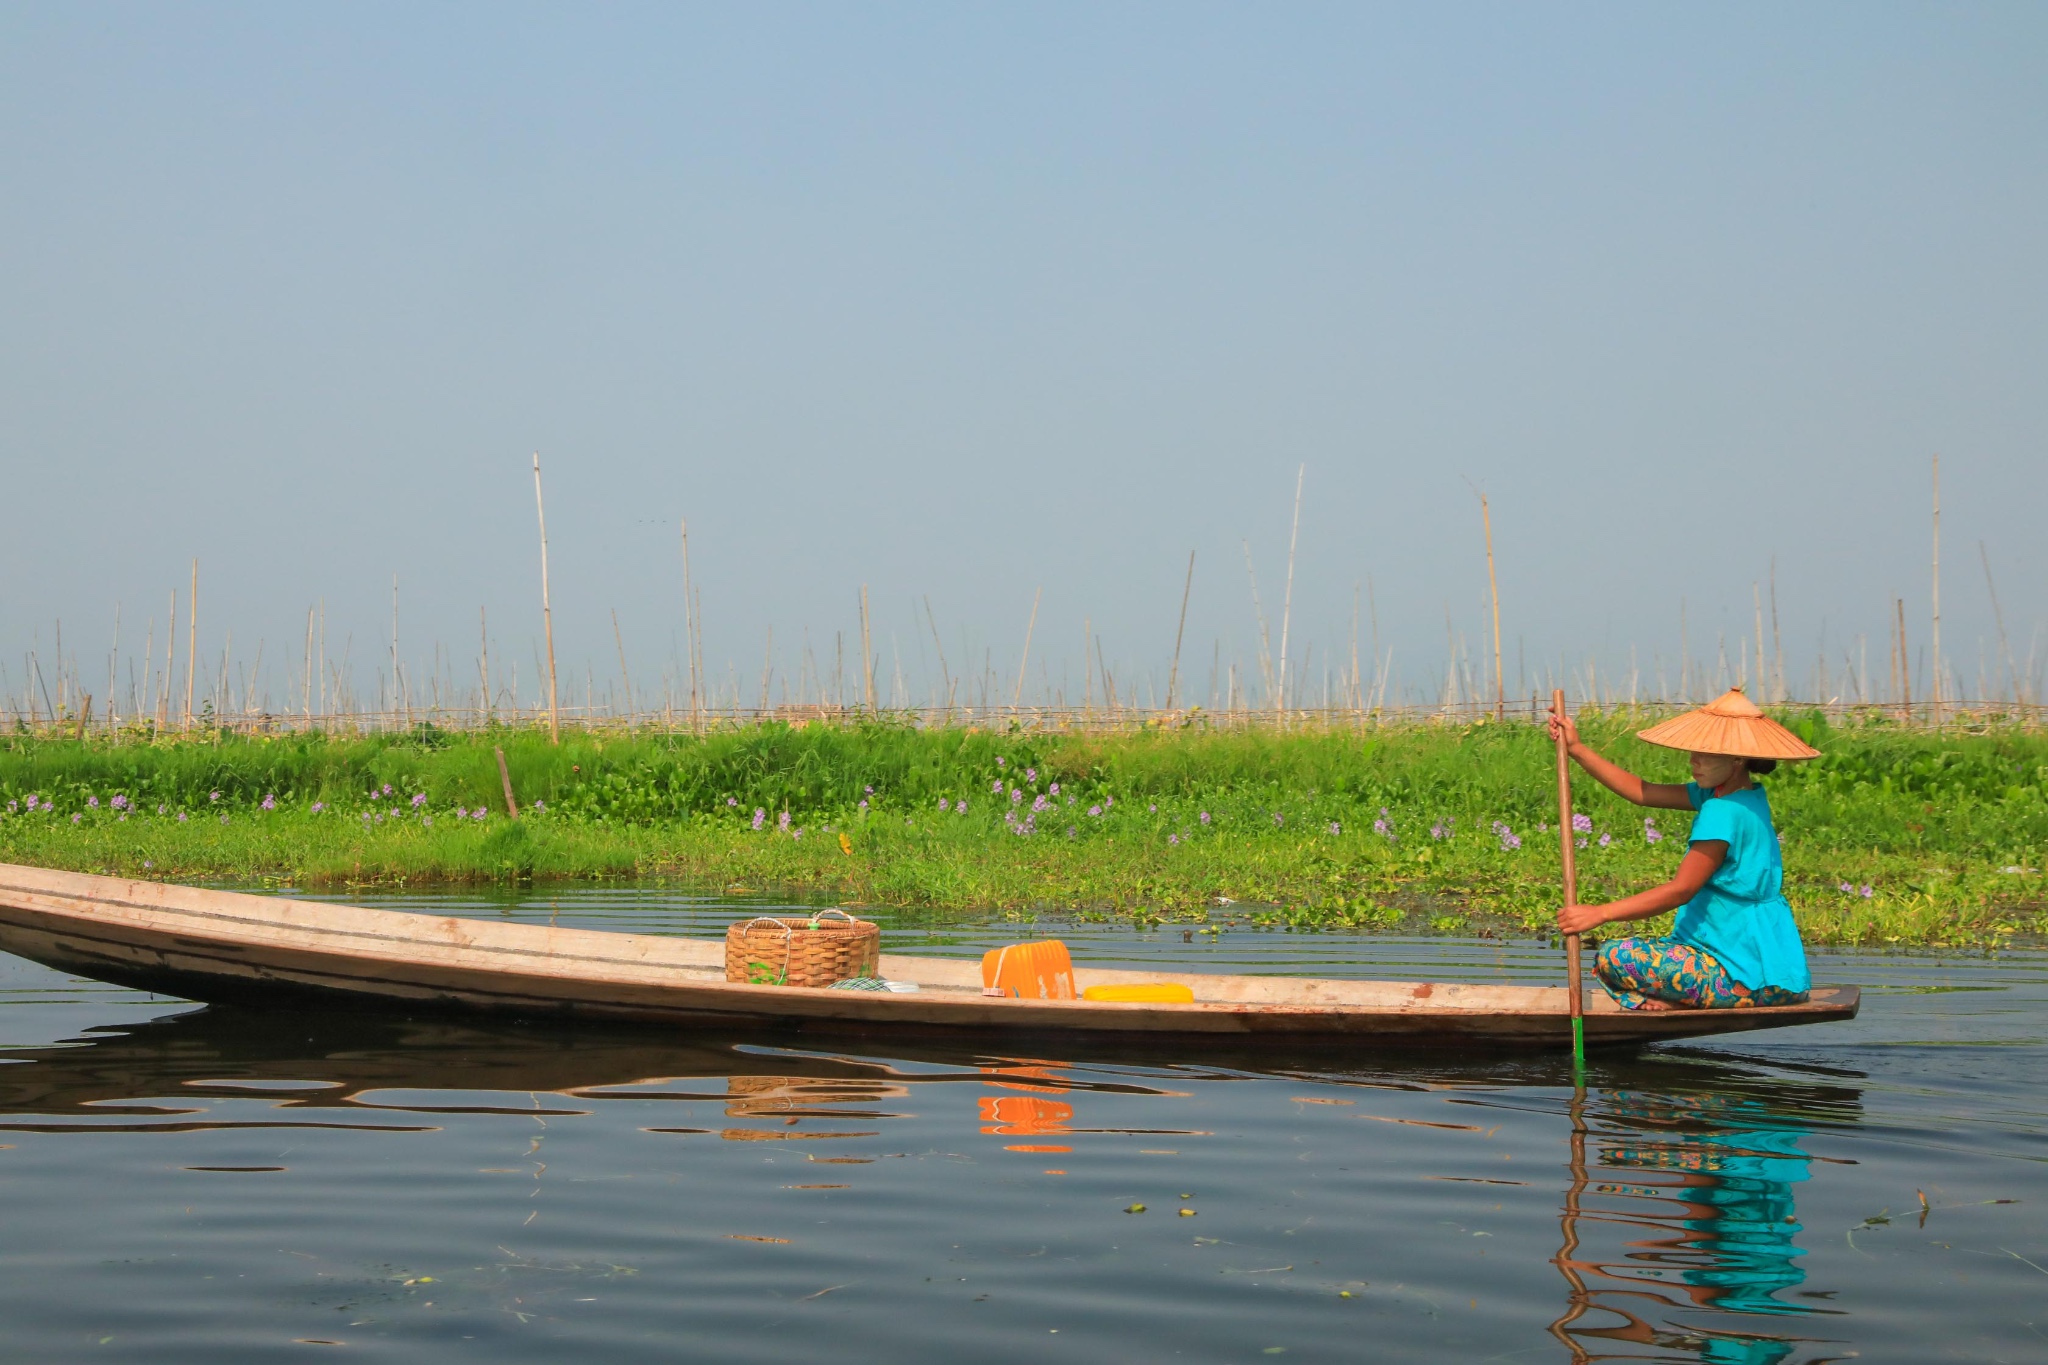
[{"x": 1894, "y": 835}]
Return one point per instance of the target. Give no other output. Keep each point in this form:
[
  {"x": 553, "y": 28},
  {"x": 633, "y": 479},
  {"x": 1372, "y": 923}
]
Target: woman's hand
[
  {"x": 1577, "y": 919},
  {"x": 1564, "y": 728}
]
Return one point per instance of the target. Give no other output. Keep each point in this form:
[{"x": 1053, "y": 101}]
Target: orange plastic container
[
  {"x": 1143, "y": 992},
  {"x": 1029, "y": 971}
]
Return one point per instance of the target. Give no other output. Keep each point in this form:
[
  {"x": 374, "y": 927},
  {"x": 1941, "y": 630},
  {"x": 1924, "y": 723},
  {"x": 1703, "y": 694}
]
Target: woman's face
[{"x": 1714, "y": 770}]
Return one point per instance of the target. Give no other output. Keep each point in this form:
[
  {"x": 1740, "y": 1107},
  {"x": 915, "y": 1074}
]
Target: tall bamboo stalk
[
  {"x": 1287, "y": 597},
  {"x": 191, "y": 644},
  {"x": 1500, "y": 683},
  {"x": 1940, "y": 690},
  {"x": 867, "y": 652},
  {"x": 547, "y": 615},
  {"x": 625, "y": 678},
  {"x": 1173, "y": 676},
  {"x": 1017, "y": 697}
]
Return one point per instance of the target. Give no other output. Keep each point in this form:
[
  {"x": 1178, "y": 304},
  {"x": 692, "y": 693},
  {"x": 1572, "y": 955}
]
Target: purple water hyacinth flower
[
  {"x": 387, "y": 789},
  {"x": 461, "y": 812},
  {"x": 782, "y": 822},
  {"x": 75, "y": 818},
  {"x": 269, "y": 801},
  {"x": 732, "y": 800},
  {"x": 1038, "y": 804},
  {"x": 419, "y": 799},
  {"x": 33, "y": 800},
  {"x": 1054, "y": 789},
  {"x": 1203, "y": 817},
  {"x": 181, "y": 817},
  {"x": 996, "y": 786},
  {"x": 1336, "y": 828},
  {"x": 1000, "y": 760},
  {"x": 1651, "y": 834},
  {"x": 861, "y": 806},
  {"x": 147, "y": 863},
  {"x": 944, "y": 805},
  {"x": 540, "y": 806},
  {"x": 868, "y": 790},
  {"x": 10, "y": 807},
  {"x": 214, "y": 797},
  {"x": 797, "y": 833},
  {"x": 479, "y": 813},
  {"x": 1381, "y": 828},
  {"x": 1015, "y": 796},
  {"x": 1031, "y": 774},
  {"x": 160, "y": 810},
  {"x": 319, "y": 806},
  {"x": 1509, "y": 840},
  {"x": 1173, "y": 839},
  {"x": 1606, "y": 839},
  {"x": 1095, "y": 811},
  {"x": 1153, "y": 808},
  {"x": 366, "y": 817},
  {"x": 1582, "y": 841},
  {"x": 761, "y": 816},
  {"x": 1582, "y": 824},
  {"x": 396, "y": 812},
  {"x": 119, "y": 802},
  {"x": 1279, "y": 820},
  {"x": 93, "y": 801},
  {"x": 1866, "y": 892},
  {"x": 1847, "y": 889},
  {"x": 961, "y": 805},
  {"x": 1384, "y": 812},
  {"x": 1108, "y": 801}
]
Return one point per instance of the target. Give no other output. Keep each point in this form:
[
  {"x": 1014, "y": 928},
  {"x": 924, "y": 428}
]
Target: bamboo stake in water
[
  {"x": 1173, "y": 677},
  {"x": 505, "y": 778},
  {"x": 547, "y": 617},
  {"x": 1017, "y": 697},
  {"x": 191, "y": 643},
  {"x": 1287, "y": 596},
  {"x": 1571, "y": 886},
  {"x": 625, "y": 678},
  {"x": 1500, "y": 685},
  {"x": 1939, "y": 690},
  {"x": 867, "y": 652}
]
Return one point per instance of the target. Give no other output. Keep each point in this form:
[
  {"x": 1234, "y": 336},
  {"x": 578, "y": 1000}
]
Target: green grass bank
[{"x": 1896, "y": 835}]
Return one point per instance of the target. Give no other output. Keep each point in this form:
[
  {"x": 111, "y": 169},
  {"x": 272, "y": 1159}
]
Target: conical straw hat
[{"x": 1730, "y": 724}]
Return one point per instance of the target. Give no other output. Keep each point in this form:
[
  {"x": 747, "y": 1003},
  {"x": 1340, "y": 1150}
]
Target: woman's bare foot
[{"x": 1649, "y": 1004}]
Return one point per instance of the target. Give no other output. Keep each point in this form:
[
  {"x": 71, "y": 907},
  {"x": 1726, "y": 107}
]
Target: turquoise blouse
[{"x": 1740, "y": 915}]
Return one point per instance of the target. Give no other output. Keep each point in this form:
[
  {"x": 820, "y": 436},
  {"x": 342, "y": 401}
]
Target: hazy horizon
[{"x": 994, "y": 306}]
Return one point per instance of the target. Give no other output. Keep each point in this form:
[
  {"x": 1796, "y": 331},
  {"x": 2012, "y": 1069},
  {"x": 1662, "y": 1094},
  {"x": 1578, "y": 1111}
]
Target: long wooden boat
[{"x": 228, "y": 946}]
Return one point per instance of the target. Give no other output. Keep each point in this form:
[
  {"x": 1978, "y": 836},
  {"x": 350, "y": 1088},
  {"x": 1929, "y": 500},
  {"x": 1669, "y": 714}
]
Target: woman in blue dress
[{"x": 1734, "y": 942}]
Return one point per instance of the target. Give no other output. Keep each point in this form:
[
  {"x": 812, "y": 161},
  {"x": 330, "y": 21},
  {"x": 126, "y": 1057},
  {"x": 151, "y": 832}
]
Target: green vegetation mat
[{"x": 1896, "y": 835}]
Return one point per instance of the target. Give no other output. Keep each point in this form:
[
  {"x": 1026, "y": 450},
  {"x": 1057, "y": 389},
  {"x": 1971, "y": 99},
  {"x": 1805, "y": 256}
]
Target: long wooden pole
[
  {"x": 1500, "y": 686},
  {"x": 547, "y": 617},
  {"x": 1571, "y": 885},
  {"x": 1287, "y": 597},
  {"x": 1940, "y": 688},
  {"x": 191, "y": 643},
  {"x": 867, "y": 653},
  {"x": 1017, "y": 697},
  {"x": 1173, "y": 676}
]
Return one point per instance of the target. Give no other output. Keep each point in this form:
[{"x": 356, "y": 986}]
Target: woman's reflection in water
[{"x": 1701, "y": 1188}]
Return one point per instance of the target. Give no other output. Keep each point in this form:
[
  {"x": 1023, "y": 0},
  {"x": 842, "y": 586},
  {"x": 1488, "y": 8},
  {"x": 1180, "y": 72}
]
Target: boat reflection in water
[{"x": 1690, "y": 1199}]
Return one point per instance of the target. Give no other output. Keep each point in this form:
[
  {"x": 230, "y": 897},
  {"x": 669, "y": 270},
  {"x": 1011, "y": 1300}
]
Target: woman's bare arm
[
  {"x": 1614, "y": 777},
  {"x": 1701, "y": 861}
]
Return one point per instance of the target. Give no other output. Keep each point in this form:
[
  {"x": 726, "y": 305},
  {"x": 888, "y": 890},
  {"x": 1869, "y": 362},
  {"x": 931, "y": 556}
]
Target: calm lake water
[{"x": 190, "y": 1184}]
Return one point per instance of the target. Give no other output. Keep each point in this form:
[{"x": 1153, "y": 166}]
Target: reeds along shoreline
[{"x": 1962, "y": 716}]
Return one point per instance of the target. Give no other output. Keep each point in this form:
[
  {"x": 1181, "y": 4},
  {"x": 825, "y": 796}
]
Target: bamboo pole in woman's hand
[{"x": 1571, "y": 883}]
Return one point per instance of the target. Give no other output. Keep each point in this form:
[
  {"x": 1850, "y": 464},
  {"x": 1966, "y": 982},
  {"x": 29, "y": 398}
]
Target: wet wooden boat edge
[{"x": 214, "y": 945}]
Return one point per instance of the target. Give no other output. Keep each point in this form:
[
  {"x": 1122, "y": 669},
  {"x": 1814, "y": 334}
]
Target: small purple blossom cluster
[
  {"x": 1865, "y": 891},
  {"x": 1509, "y": 840},
  {"x": 1384, "y": 826},
  {"x": 1651, "y": 834}
]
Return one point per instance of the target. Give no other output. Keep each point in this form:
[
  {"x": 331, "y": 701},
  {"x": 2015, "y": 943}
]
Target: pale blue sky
[{"x": 970, "y": 301}]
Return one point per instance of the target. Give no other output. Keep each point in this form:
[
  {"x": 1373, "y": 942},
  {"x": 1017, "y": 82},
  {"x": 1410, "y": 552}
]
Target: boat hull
[{"x": 221, "y": 946}]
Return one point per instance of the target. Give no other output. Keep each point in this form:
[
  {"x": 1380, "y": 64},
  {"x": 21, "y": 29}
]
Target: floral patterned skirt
[{"x": 1638, "y": 969}]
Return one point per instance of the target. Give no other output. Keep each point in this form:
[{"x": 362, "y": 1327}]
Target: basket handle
[
  {"x": 788, "y": 943},
  {"x": 834, "y": 911}
]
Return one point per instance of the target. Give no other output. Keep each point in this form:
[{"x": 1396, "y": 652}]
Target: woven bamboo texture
[{"x": 789, "y": 950}]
